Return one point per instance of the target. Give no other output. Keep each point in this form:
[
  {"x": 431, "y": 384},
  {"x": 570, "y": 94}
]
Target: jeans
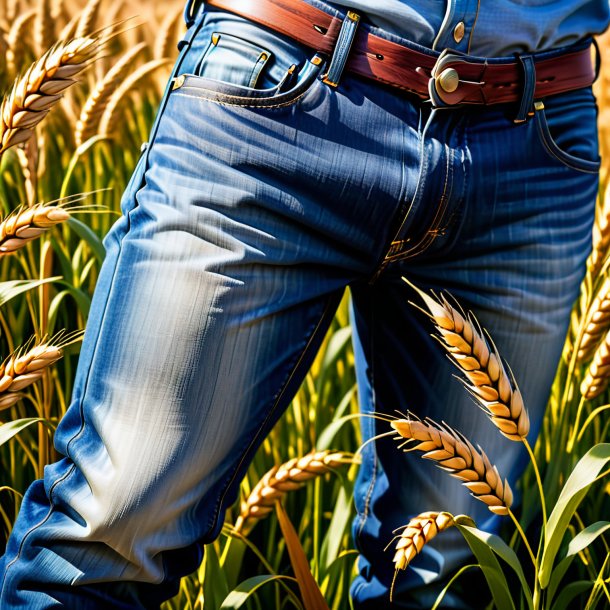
[{"x": 262, "y": 195}]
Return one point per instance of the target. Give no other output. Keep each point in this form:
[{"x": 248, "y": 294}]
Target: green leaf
[
  {"x": 578, "y": 543},
  {"x": 310, "y": 591},
  {"x": 566, "y": 596},
  {"x": 9, "y": 290},
  {"x": 87, "y": 234},
  {"x": 10, "y": 429},
  {"x": 477, "y": 541},
  {"x": 341, "y": 516},
  {"x": 215, "y": 587},
  {"x": 572, "y": 494},
  {"x": 245, "y": 589},
  {"x": 327, "y": 438},
  {"x": 583, "y": 539}
]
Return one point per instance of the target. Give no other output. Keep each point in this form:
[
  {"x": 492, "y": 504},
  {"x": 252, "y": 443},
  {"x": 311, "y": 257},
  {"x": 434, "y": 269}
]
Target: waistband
[{"x": 446, "y": 79}]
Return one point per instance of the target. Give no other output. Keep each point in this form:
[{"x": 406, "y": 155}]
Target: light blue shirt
[{"x": 491, "y": 28}]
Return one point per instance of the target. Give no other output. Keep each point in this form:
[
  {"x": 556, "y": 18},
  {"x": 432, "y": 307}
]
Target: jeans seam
[
  {"x": 280, "y": 394},
  {"x": 369, "y": 493},
  {"x": 433, "y": 231}
]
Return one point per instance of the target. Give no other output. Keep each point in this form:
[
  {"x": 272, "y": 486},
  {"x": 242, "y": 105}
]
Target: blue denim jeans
[{"x": 262, "y": 195}]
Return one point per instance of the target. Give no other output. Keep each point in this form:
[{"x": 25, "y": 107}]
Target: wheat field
[{"x": 81, "y": 82}]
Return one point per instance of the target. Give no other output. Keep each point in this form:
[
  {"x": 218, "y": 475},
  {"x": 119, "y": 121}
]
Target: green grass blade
[
  {"x": 11, "y": 428},
  {"x": 11, "y": 289},
  {"x": 88, "y": 235},
  {"x": 238, "y": 597},
  {"x": 567, "y": 595},
  {"x": 215, "y": 588},
  {"x": 573, "y": 492},
  {"x": 477, "y": 541}
]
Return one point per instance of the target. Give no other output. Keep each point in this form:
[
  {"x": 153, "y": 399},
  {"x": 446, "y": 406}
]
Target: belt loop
[
  {"x": 342, "y": 49},
  {"x": 191, "y": 8},
  {"x": 529, "y": 88}
]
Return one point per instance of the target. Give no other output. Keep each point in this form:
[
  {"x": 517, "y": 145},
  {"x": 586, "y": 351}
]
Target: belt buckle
[{"x": 445, "y": 87}]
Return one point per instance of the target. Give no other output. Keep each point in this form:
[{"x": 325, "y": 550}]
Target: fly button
[
  {"x": 448, "y": 80},
  {"x": 458, "y": 32}
]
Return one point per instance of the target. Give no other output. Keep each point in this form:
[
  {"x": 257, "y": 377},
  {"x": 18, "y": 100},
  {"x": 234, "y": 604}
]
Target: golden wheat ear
[
  {"x": 601, "y": 236},
  {"x": 41, "y": 87},
  {"x": 28, "y": 364},
  {"x": 598, "y": 372},
  {"x": 281, "y": 479},
  {"x": 596, "y": 323},
  {"x": 417, "y": 533},
  {"x": 454, "y": 453},
  {"x": 486, "y": 377}
]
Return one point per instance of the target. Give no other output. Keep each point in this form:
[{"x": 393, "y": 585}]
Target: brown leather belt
[{"x": 453, "y": 77}]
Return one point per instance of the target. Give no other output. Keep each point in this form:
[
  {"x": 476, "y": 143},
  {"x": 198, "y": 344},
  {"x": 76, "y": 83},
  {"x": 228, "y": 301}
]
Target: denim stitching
[
  {"x": 432, "y": 232},
  {"x": 369, "y": 494},
  {"x": 228, "y": 100},
  {"x": 229, "y": 104},
  {"x": 313, "y": 334},
  {"x": 582, "y": 165}
]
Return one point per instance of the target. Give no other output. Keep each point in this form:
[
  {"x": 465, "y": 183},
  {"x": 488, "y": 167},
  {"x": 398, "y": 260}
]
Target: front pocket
[
  {"x": 568, "y": 131},
  {"x": 231, "y": 59},
  {"x": 288, "y": 92}
]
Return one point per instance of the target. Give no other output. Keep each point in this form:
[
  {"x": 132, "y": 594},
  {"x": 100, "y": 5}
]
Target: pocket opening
[{"x": 555, "y": 150}]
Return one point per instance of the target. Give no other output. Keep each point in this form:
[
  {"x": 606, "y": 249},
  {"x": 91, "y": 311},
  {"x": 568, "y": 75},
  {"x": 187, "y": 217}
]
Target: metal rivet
[
  {"x": 264, "y": 57},
  {"x": 448, "y": 80},
  {"x": 178, "y": 81},
  {"x": 215, "y": 38},
  {"x": 458, "y": 32}
]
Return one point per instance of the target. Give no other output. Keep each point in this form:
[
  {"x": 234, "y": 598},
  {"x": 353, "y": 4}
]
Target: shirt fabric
[{"x": 492, "y": 28}]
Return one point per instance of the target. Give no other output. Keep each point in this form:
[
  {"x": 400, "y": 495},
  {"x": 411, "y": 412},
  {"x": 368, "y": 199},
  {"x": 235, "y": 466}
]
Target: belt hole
[{"x": 319, "y": 28}]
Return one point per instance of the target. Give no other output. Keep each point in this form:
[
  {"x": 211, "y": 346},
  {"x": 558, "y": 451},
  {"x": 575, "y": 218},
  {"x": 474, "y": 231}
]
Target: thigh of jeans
[
  {"x": 248, "y": 213},
  {"x": 514, "y": 254}
]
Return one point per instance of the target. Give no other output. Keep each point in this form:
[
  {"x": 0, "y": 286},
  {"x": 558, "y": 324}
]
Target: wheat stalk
[
  {"x": 87, "y": 19},
  {"x": 27, "y": 223},
  {"x": 166, "y": 37},
  {"x": 110, "y": 117},
  {"x": 454, "y": 453},
  {"x": 598, "y": 373},
  {"x": 284, "y": 478},
  {"x": 596, "y": 323},
  {"x": 38, "y": 90},
  {"x": 16, "y": 41},
  {"x": 44, "y": 33},
  {"x": 487, "y": 379},
  {"x": 98, "y": 99}
]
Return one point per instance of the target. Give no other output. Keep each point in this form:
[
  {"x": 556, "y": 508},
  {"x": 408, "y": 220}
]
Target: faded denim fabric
[{"x": 260, "y": 198}]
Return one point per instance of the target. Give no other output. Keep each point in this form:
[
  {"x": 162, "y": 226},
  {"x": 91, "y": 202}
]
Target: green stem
[
  {"x": 524, "y": 538},
  {"x": 538, "y": 481},
  {"x": 574, "y": 432}
]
